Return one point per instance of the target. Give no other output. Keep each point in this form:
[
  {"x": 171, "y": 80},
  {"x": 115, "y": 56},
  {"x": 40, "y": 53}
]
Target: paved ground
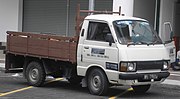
[{"x": 14, "y": 86}]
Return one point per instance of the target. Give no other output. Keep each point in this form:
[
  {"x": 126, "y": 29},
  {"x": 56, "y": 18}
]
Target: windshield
[{"x": 135, "y": 32}]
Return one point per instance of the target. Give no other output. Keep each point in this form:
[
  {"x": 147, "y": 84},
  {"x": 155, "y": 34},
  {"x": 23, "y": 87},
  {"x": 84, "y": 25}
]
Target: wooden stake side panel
[
  {"x": 42, "y": 45},
  {"x": 18, "y": 44}
]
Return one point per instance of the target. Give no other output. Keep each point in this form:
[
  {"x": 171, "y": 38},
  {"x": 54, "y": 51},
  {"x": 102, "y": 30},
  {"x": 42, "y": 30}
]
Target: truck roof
[{"x": 111, "y": 18}]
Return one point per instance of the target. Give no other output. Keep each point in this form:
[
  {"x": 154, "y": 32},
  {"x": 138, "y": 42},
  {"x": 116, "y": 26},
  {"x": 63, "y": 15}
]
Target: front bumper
[{"x": 145, "y": 76}]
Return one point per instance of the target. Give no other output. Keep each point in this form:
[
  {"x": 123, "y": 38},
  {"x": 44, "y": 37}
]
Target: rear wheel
[
  {"x": 97, "y": 82},
  {"x": 141, "y": 88},
  {"x": 35, "y": 74}
]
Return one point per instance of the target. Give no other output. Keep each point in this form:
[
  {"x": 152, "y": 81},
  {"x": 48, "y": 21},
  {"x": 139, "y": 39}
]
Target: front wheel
[
  {"x": 97, "y": 82},
  {"x": 141, "y": 88},
  {"x": 35, "y": 74}
]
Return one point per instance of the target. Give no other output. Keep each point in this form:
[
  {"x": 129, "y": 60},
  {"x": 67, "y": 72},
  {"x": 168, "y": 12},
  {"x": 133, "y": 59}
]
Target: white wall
[
  {"x": 126, "y": 6},
  {"x": 166, "y": 15},
  {"x": 10, "y": 17}
]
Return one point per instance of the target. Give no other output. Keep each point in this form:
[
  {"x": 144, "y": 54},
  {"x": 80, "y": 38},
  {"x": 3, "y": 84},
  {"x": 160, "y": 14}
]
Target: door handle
[
  {"x": 86, "y": 47},
  {"x": 81, "y": 57}
]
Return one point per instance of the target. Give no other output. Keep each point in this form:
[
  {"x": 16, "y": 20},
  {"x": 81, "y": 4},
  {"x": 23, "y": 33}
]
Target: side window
[{"x": 97, "y": 31}]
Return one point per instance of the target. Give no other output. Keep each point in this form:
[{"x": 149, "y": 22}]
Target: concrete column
[
  {"x": 91, "y": 5},
  {"x": 126, "y": 6}
]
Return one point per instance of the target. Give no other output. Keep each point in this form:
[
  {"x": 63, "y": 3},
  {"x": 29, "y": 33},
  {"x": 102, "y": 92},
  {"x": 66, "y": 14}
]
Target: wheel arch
[
  {"x": 95, "y": 67},
  {"x": 31, "y": 59}
]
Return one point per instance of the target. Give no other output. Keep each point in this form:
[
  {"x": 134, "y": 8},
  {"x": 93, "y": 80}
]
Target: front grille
[{"x": 149, "y": 65}]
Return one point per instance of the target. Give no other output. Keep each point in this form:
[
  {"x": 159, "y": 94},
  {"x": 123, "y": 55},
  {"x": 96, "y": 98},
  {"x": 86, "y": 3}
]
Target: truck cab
[{"x": 120, "y": 50}]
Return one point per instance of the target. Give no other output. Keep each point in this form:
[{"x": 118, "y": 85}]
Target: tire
[
  {"x": 35, "y": 74},
  {"x": 141, "y": 88},
  {"x": 97, "y": 82}
]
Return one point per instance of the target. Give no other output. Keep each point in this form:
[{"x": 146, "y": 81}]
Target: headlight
[
  {"x": 127, "y": 67},
  {"x": 165, "y": 65}
]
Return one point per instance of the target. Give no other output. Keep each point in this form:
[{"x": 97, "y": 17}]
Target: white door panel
[{"x": 96, "y": 52}]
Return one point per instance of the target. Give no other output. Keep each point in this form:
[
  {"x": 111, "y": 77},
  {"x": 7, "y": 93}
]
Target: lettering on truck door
[{"x": 96, "y": 50}]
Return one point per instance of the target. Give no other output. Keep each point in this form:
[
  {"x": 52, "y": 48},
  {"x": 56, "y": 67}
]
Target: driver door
[{"x": 96, "y": 50}]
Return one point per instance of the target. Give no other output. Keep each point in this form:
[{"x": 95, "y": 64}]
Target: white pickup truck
[{"x": 110, "y": 50}]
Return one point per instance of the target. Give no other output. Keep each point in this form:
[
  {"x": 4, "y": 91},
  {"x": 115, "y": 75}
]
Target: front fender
[
  {"x": 110, "y": 74},
  {"x": 82, "y": 70}
]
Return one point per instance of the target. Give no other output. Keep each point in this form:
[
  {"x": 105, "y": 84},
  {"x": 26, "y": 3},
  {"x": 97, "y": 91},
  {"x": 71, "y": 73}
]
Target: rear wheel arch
[{"x": 28, "y": 60}]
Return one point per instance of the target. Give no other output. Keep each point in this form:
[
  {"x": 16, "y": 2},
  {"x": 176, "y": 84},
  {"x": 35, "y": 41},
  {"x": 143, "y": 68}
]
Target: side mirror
[
  {"x": 109, "y": 38},
  {"x": 168, "y": 32}
]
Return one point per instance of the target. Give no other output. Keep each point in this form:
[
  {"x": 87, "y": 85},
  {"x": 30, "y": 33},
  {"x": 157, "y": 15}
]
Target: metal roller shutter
[
  {"x": 49, "y": 16},
  {"x": 145, "y": 9},
  {"x": 104, "y": 5},
  {"x": 44, "y": 16},
  {"x": 73, "y": 11}
]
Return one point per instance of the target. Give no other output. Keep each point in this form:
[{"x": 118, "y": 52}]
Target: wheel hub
[
  {"x": 96, "y": 82},
  {"x": 34, "y": 74}
]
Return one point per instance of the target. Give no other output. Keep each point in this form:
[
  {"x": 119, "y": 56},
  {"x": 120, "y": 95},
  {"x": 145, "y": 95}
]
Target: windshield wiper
[
  {"x": 134, "y": 43},
  {"x": 149, "y": 43},
  {"x": 139, "y": 43}
]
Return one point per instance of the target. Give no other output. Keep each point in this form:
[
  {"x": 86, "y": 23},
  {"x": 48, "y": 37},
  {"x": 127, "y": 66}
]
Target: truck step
[{"x": 19, "y": 70}]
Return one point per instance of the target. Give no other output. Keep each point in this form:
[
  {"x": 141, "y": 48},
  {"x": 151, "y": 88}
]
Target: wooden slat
[
  {"x": 59, "y": 53},
  {"x": 17, "y": 33},
  {"x": 38, "y": 50},
  {"x": 18, "y": 49},
  {"x": 17, "y": 44},
  {"x": 59, "y": 37},
  {"x": 73, "y": 52},
  {"x": 38, "y": 42},
  {"x": 19, "y": 41},
  {"x": 59, "y": 45},
  {"x": 42, "y": 45},
  {"x": 100, "y": 12},
  {"x": 39, "y": 36},
  {"x": 38, "y": 46}
]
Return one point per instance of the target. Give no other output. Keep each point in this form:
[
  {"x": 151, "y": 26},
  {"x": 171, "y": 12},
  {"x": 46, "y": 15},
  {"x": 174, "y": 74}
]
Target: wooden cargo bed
[{"x": 42, "y": 46}]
